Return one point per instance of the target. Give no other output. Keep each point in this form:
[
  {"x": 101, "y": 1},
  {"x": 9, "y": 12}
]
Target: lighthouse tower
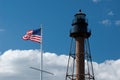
[{"x": 80, "y": 62}]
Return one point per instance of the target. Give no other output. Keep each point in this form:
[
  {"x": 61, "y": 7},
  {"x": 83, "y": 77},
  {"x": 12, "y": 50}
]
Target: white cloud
[
  {"x": 117, "y": 22},
  {"x": 109, "y": 70},
  {"x": 96, "y": 1},
  {"x": 2, "y": 30},
  {"x": 106, "y": 22},
  {"x": 110, "y": 13},
  {"x": 14, "y": 65}
]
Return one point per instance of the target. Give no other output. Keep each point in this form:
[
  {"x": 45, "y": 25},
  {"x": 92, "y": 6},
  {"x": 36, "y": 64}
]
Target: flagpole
[{"x": 41, "y": 74}]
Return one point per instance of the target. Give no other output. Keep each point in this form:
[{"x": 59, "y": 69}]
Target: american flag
[{"x": 33, "y": 35}]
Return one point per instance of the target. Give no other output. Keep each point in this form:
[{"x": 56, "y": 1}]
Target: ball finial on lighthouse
[{"x": 80, "y": 10}]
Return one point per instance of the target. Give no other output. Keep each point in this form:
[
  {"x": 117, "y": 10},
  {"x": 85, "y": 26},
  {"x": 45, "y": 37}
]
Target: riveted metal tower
[{"x": 80, "y": 62}]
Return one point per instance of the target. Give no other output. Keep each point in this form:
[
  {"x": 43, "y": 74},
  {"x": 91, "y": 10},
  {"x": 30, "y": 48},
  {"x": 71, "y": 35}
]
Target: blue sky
[{"x": 18, "y": 16}]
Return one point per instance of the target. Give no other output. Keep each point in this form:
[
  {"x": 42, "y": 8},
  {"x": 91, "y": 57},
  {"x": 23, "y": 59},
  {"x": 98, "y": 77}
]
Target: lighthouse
[{"x": 81, "y": 68}]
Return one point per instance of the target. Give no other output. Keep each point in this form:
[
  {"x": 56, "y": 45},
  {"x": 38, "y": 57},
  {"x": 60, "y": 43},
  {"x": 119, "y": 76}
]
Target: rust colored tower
[{"x": 80, "y": 62}]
